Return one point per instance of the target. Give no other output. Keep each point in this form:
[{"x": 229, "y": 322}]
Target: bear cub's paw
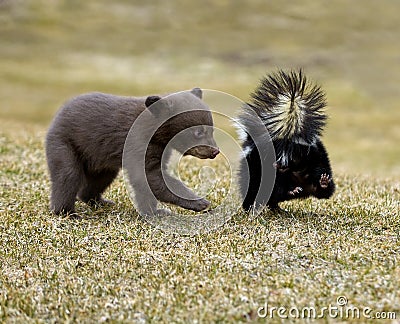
[{"x": 200, "y": 204}]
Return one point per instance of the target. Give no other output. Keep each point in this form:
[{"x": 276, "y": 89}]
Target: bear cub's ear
[
  {"x": 197, "y": 92},
  {"x": 150, "y": 100}
]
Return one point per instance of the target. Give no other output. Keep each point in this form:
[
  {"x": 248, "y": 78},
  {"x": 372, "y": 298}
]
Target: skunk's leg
[{"x": 325, "y": 186}]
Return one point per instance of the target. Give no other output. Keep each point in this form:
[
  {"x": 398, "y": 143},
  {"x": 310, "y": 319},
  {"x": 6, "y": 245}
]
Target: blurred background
[{"x": 51, "y": 50}]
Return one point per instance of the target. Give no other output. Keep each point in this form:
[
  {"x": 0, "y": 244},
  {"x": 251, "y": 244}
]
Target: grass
[{"x": 112, "y": 266}]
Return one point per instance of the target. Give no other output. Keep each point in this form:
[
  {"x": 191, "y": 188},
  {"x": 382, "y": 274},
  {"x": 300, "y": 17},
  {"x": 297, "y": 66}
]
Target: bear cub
[{"x": 88, "y": 137}]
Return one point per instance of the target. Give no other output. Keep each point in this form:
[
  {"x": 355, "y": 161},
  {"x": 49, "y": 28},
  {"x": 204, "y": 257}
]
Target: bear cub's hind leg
[
  {"x": 63, "y": 195},
  {"x": 94, "y": 185},
  {"x": 66, "y": 176}
]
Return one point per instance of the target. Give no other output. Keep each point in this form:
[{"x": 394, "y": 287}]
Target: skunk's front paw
[
  {"x": 295, "y": 191},
  {"x": 324, "y": 180}
]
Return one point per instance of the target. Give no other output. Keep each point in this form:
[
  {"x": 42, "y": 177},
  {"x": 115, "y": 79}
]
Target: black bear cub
[{"x": 85, "y": 145}]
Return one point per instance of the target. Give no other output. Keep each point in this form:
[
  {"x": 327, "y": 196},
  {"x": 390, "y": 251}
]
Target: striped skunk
[{"x": 291, "y": 111}]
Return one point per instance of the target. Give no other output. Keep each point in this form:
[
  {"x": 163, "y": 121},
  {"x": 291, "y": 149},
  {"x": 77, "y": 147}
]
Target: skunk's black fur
[{"x": 291, "y": 109}]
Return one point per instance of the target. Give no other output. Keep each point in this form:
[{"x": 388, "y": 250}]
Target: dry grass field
[{"x": 112, "y": 266}]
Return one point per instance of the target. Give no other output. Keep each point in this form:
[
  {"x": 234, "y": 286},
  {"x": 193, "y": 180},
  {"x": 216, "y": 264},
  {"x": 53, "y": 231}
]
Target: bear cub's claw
[{"x": 200, "y": 204}]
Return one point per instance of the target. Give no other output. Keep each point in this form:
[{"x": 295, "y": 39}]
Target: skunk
[{"x": 290, "y": 109}]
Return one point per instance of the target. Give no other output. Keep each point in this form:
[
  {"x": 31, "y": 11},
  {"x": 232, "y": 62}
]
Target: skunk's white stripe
[
  {"x": 301, "y": 141},
  {"x": 284, "y": 159},
  {"x": 246, "y": 151},
  {"x": 288, "y": 117}
]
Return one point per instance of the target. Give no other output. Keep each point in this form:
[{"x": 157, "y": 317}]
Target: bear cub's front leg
[{"x": 175, "y": 192}]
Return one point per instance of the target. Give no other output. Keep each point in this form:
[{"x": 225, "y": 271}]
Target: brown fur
[{"x": 85, "y": 146}]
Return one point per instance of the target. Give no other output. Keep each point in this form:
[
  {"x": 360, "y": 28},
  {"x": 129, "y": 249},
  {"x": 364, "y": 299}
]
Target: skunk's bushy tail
[{"x": 291, "y": 108}]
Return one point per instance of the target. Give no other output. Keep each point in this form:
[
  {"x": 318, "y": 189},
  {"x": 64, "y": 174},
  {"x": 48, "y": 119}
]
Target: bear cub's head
[{"x": 184, "y": 122}]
